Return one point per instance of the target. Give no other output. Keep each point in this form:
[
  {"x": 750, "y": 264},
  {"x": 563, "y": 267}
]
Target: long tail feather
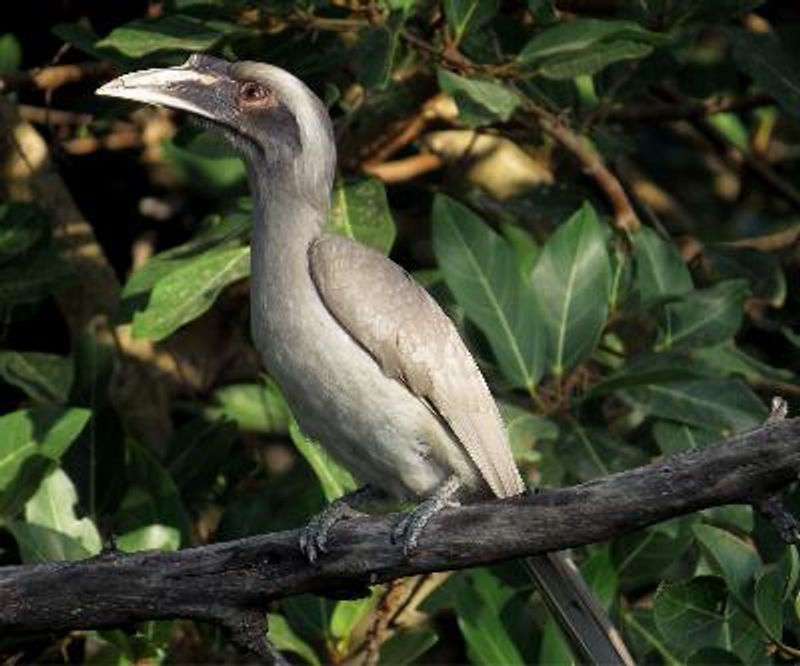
[{"x": 592, "y": 637}]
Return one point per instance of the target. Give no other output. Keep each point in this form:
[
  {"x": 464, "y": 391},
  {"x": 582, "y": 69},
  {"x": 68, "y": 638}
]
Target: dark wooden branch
[{"x": 231, "y": 583}]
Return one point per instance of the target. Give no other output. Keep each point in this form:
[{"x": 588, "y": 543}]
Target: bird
[{"x": 370, "y": 365}]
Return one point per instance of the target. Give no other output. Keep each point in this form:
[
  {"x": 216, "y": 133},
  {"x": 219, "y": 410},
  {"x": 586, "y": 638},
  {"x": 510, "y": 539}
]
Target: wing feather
[{"x": 391, "y": 316}]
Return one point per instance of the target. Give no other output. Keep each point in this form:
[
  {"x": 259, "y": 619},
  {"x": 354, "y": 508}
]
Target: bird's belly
[{"x": 340, "y": 397}]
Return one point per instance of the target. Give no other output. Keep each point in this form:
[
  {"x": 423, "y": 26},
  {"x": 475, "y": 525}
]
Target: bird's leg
[
  {"x": 314, "y": 538},
  {"x": 412, "y": 524}
]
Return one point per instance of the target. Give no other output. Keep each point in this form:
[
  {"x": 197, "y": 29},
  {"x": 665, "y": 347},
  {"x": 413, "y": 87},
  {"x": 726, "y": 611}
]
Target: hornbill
[{"x": 370, "y": 365}]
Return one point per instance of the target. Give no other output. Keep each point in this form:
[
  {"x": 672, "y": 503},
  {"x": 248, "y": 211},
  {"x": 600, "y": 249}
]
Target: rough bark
[{"x": 231, "y": 583}]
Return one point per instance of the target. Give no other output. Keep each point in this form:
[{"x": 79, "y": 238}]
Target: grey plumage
[{"x": 370, "y": 365}]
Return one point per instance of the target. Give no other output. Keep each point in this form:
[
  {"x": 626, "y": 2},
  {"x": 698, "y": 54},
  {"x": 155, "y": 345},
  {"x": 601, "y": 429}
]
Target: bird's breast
[{"x": 337, "y": 392}]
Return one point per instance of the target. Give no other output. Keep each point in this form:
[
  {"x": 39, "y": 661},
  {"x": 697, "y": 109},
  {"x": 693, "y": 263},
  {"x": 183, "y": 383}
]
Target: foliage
[{"x": 600, "y": 194}]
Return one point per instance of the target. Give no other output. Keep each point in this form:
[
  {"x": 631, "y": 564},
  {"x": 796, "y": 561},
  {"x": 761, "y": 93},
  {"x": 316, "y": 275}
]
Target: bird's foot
[
  {"x": 410, "y": 527},
  {"x": 314, "y": 537}
]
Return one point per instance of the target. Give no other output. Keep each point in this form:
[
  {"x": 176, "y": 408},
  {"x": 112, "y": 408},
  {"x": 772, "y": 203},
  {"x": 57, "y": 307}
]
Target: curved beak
[{"x": 198, "y": 86}]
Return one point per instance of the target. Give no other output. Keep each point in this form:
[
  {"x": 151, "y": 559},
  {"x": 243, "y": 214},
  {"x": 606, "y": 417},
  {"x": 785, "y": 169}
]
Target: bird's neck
[{"x": 285, "y": 223}]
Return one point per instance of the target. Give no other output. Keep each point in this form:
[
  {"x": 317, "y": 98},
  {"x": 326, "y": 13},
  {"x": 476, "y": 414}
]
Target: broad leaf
[
  {"x": 44, "y": 378},
  {"x": 44, "y": 544},
  {"x": 704, "y": 317},
  {"x": 467, "y": 16},
  {"x": 376, "y": 52},
  {"x": 150, "y": 537},
  {"x": 53, "y": 506},
  {"x": 406, "y": 646},
  {"x": 720, "y": 405},
  {"x": 735, "y": 560},
  {"x": 480, "y": 101},
  {"x": 254, "y": 407},
  {"x": 525, "y": 430},
  {"x": 189, "y": 291},
  {"x": 691, "y": 613},
  {"x": 282, "y": 636},
  {"x": 41, "y": 434},
  {"x": 359, "y": 210},
  {"x": 770, "y": 64},
  {"x": 171, "y": 32},
  {"x": 768, "y": 602},
  {"x": 585, "y": 46},
  {"x": 661, "y": 270},
  {"x": 480, "y": 270},
  {"x": 673, "y": 437},
  {"x": 643, "y": 557},
  {"x": 572, "y": 279},
  {"x": 479, "y": 601},
  {"x": 334, "y": 479},
  {"x": 348, "y": 614},
  {"x": 21, "y": 226},
  {"x": 152, "y": 497}
]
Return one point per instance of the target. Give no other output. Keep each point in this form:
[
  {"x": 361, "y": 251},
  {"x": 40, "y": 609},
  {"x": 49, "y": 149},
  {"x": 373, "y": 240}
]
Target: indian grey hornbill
[{"x": 370, "y": 365}]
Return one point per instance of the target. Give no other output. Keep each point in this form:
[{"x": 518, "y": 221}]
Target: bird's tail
[{"x": 587, "y": 627}]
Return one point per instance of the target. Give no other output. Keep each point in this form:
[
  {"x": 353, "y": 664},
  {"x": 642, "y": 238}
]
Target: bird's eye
[{"x": 250, "y": 91}]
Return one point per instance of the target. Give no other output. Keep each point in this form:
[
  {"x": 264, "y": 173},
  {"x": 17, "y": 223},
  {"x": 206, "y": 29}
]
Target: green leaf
[
  {"x": 480, "y": 101},
  {"x": 661, "y": 270},
  {"x": 198, "y": 453},
  {"x": 554, "y": 650},
  {"x": 479, "y": 601},
  {"x": 589, "y": 453},
  {"x": 348, "y": 614},
  {"x": 21, "y": 226},
  {"x": 205, "y": 162},
  {"x": 643, "y": 557},
  {"x": 10, "y": 54},
  {"x": 254, "y": 407},
  {"x": 770, "y": 65},
  {"x": 713, "y": 656},
  {"x": 32, "y": 276},
  {"x": 525, "y": 430},
  {"x": 150, "y": 537},
  {"x": 480, "y": 269},
  {"x": 524, "y": 246},
  {"x": 359, "y": 210},
  {"x": 189, "y": 291},
  {"x": 467, "y": 16},
  {"x": 406, "y": 646},
  {"x": 334, "y": 479},
  {"x": 690, "y": 614},
  {"x": 42, "y": 433},
  {"x": 727, "y": 359},
  {"x": 44, "y": 378},
  {"x": 673, "y": 437},
  {"x": 376, "y": 52},
  {"x": 768, "y": 602},
  {"x": 53, "y": 506},
  {"x": 585, "y": 46},
  {"x": 44, "y": 544},
  {"x": 152, "y": 497},
  {"x": 282, "y": 636},
  {"x": 590, "y": 61},
  {"x": 573, "y": 316},
  {"x": 735, "y": 560},
  {"x": 704, "y": 317},
  {"x": 600, "y": 575},
  {"x": 720, "y": 405},
  {"x": 171, "y": 32}
]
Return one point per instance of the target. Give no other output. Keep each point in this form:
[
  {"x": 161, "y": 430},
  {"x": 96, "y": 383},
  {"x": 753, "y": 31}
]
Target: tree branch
[{"x": 227, "y": 583}]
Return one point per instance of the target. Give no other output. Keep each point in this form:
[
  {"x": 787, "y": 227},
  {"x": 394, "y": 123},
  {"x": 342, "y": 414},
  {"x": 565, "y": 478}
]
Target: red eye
[{"x": 250, "y": 91}]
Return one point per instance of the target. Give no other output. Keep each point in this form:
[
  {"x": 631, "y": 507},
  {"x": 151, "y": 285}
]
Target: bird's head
[{"x": 269, "y": 115}]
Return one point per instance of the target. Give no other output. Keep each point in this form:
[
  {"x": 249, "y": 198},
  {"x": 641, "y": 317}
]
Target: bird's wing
[{"x": 404, "y": 329}]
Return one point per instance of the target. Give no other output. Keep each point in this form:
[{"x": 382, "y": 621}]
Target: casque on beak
[{"x": 199, "y": 86}]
